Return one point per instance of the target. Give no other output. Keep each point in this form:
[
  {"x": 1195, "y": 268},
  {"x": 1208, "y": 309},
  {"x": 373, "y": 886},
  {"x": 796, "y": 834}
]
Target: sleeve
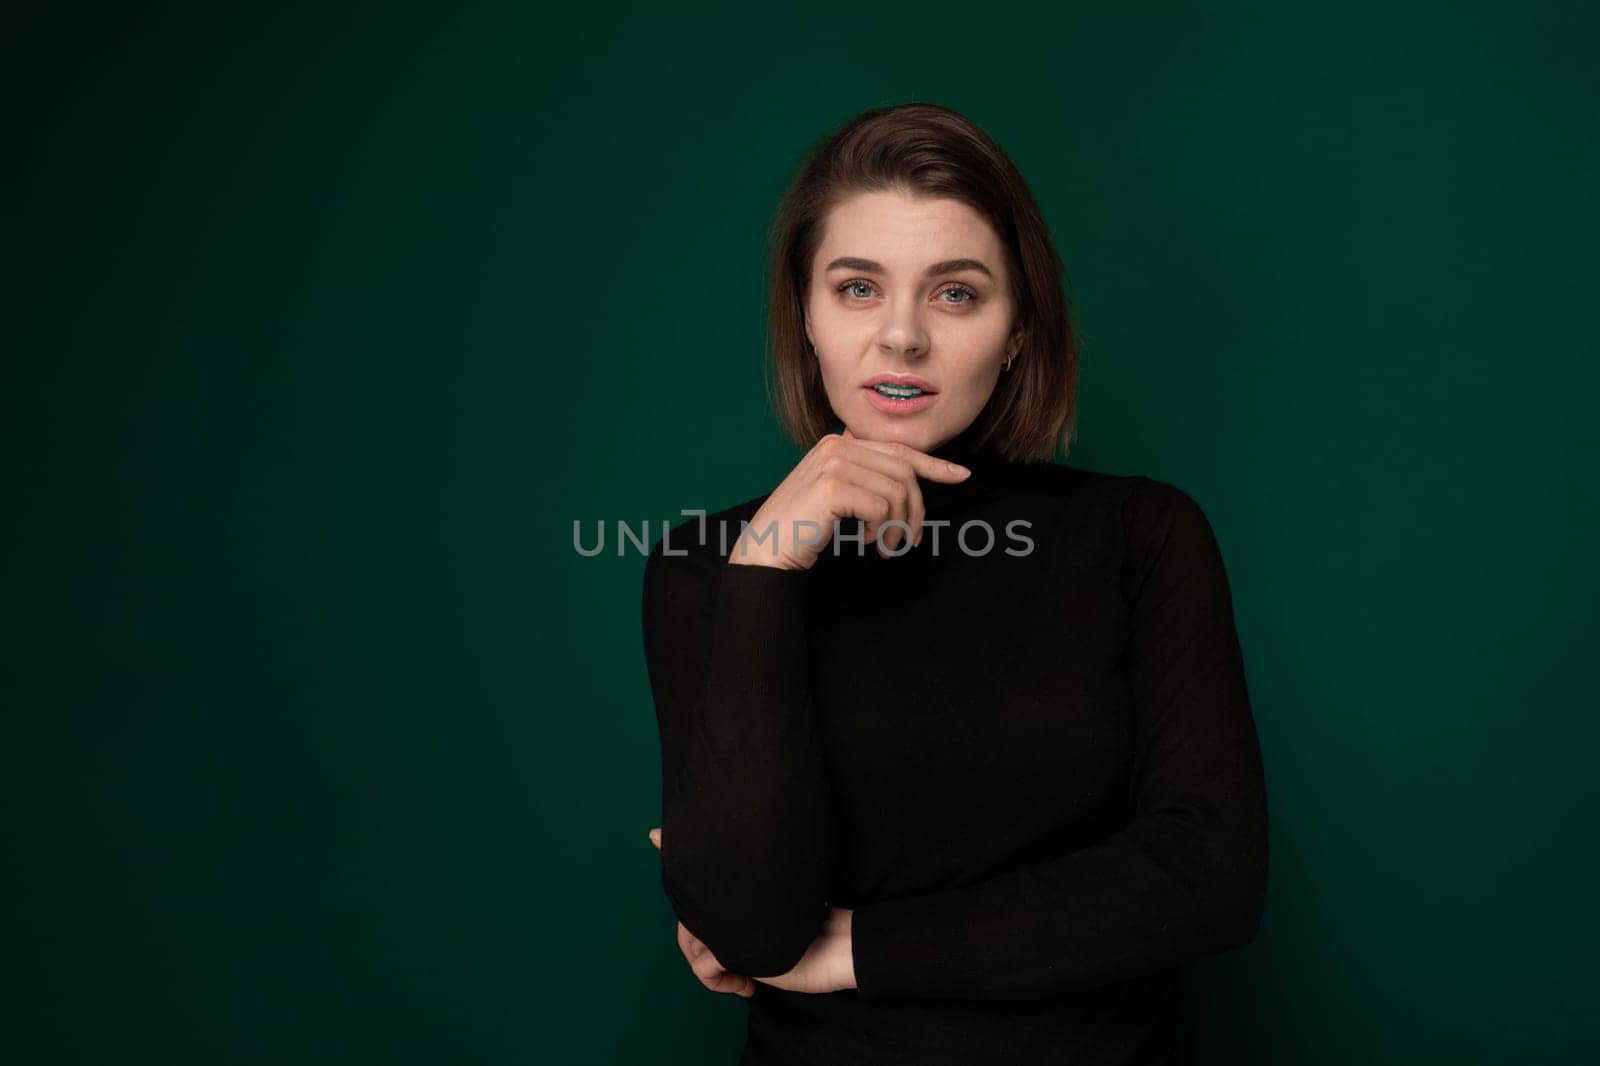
[
  {"x": 744, "y": 820},
  {"x": 1185, "y": 877}
]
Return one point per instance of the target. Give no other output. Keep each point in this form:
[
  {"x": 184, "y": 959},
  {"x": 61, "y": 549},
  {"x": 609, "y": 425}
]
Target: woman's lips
[
  {"x": 906, "y": 380},
  {"x": 892, "y": 405}
]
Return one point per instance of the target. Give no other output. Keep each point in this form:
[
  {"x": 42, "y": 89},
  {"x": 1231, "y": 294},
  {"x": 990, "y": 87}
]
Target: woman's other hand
[
  {"x": 842, "y": 476},
  {"x": 827, "y": 965},
  {"x": 712, "y": 973}
]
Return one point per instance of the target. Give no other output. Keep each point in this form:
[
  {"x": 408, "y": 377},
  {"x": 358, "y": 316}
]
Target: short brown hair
[{"x": 924, "y": 149}]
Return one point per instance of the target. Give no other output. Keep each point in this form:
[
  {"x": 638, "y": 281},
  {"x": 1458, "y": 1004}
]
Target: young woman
[{"x": 958, "y": 761}]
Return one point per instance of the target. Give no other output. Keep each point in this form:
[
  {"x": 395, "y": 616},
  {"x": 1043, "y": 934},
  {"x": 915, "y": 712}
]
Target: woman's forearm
[{"x": 745, "y": 808}]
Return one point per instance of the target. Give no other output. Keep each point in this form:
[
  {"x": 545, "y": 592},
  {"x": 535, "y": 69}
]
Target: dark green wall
[{"x": 327, "y": 323}]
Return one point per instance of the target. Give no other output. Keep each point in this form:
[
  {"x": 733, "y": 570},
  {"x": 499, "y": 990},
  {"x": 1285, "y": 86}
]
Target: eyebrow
[{"x": 949, "y": 266}]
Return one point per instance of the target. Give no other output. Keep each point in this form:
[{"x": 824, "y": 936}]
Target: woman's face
[{"x": 909, "y": 288}]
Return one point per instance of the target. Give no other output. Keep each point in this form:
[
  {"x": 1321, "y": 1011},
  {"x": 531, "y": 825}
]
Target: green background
[{"x": 328, "y": 322}]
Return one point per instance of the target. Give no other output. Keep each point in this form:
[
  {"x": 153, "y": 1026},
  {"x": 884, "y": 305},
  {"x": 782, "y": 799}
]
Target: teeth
[{"x": 898, "y": 391}]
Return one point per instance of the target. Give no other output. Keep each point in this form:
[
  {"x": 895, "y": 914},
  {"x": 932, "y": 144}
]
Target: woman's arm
[
  {"x": 1187, "y": 875},
  {"x": 744, "y": 857}
]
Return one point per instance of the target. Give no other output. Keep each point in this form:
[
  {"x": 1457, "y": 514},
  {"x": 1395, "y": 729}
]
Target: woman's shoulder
[
  {"x": 1140, "y": 509},
  {"x": 1139, "y": 493},
  {"x": 1082, "y": 488},
  {"x": 1159, "y": 519}
]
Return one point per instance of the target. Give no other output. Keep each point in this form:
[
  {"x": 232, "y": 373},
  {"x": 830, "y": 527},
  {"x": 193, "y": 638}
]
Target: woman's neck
[{"x": 964, "y": 448}]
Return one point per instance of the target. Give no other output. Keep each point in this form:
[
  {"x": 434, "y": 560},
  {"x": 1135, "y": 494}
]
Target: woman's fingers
[
  {"x": 926, "y": 465},
  {"x": 694, "y": 945},
  {"x": 734, "y": 983},
  {"x": 903, "y": 464},
  {"x": 889, "y": 488},
  {"x": 655, "y": 837},
  {"x": 706, "y": 967},
  {"x": 906, "y": 499},
  {"x": 843, "y": 475},
  {"x": 711, "y": 972}
]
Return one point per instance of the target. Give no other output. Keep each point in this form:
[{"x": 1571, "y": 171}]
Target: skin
[{"x": 955, "y": 330}]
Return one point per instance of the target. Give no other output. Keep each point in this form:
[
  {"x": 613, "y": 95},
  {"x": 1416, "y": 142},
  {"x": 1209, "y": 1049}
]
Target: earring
[{"x": 1008, "y": 362}]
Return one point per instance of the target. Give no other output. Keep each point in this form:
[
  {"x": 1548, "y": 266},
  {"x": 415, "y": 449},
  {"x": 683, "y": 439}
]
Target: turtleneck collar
[
  {"x": 990, "y": 473},
  {"x": 964, "y": 448}
]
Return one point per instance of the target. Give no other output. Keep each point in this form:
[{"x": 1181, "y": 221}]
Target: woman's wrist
[
  {"x": 771, "y": 564},
  {"x": 846, "y": 959}
]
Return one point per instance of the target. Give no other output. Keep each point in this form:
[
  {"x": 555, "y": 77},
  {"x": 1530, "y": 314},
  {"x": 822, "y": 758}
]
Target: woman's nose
[{"x": 903, "y": 334}]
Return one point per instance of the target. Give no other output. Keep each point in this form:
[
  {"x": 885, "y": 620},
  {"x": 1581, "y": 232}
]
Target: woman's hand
[
  {"x": 827, "y": 965},
  {"x": 842, "y": 476}
]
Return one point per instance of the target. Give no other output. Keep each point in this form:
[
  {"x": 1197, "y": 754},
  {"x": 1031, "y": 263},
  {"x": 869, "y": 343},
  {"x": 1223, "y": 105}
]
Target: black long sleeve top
[{"x": 1032, "y": 772}]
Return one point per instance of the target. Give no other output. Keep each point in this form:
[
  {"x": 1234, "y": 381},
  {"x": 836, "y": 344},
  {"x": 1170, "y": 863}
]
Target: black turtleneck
[{"x": 1022, "y": 752}]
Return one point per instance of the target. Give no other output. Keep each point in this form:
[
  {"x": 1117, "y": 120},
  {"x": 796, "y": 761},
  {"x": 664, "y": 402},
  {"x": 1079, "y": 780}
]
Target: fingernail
[{"x": 957, "y": 467}]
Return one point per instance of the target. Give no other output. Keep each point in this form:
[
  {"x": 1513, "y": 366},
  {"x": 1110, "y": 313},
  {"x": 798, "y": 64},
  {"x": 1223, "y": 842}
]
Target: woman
[{"x": 976, "y": 795}]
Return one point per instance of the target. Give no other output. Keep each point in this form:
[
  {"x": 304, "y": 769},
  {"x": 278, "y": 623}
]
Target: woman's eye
[{"x": 852, "y": 288}]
